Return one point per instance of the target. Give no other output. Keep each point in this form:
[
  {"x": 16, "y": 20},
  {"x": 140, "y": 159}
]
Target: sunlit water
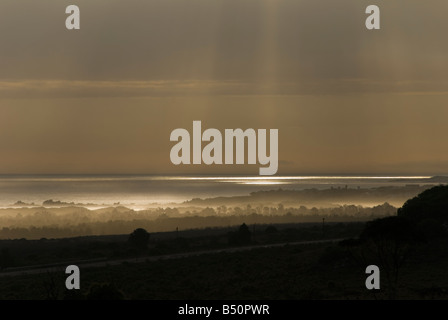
[{"x": 140, "y": 191}]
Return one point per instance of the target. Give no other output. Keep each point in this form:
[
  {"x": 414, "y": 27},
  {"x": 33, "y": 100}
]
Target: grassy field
[{"x": 290, "y": 272}]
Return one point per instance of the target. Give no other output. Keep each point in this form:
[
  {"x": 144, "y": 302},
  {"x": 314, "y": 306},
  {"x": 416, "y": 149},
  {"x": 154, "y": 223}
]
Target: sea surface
[{"x": 142, "y": 191}]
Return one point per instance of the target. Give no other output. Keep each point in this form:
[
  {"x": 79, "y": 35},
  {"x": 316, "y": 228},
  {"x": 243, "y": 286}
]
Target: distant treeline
[
  {"x": 323, "y": 197},
  {"x": 36, "y": 223}
]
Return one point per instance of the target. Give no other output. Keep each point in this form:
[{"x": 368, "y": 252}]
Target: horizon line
[{"x": 195, "y": 177}]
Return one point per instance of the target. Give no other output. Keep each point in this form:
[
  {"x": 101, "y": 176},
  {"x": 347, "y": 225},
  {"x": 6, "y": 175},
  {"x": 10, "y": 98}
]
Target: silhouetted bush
[
  {"x": 241, "y": 237},
  {"x": 139, "y": 238},
  {"x": 244, "y": 234},
  {"x": 387, "y": 243}
]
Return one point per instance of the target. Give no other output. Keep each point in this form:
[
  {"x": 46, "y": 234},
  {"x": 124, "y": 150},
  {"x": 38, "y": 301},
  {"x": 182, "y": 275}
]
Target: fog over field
[{"x": 56, "y": 219}]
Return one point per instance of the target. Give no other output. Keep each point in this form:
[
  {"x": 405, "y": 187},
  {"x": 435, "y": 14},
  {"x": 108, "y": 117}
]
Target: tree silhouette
[
  {"x": 241, "y": 237},
  {"x": 139, "y": 239},
  {"x": 429, "y": 210},
  {"x": 387, "y": 243},
  {"x": 244, "y": 234}
]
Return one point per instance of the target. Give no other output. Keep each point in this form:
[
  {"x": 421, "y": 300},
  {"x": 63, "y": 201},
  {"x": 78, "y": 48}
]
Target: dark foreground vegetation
[
  {"x": 318, "y": 271},
  {"x": 20, "y": 252},
  {"x": 410, "y": 249}
]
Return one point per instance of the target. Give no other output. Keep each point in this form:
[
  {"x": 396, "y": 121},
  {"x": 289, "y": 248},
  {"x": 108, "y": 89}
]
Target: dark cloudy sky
[{"x": 104, "y": 99}]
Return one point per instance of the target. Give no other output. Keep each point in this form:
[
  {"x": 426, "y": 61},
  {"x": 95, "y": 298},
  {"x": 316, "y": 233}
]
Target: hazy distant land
[
  {"x": 330, "y": 197},
  {"x": 58, "y": 219}
]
